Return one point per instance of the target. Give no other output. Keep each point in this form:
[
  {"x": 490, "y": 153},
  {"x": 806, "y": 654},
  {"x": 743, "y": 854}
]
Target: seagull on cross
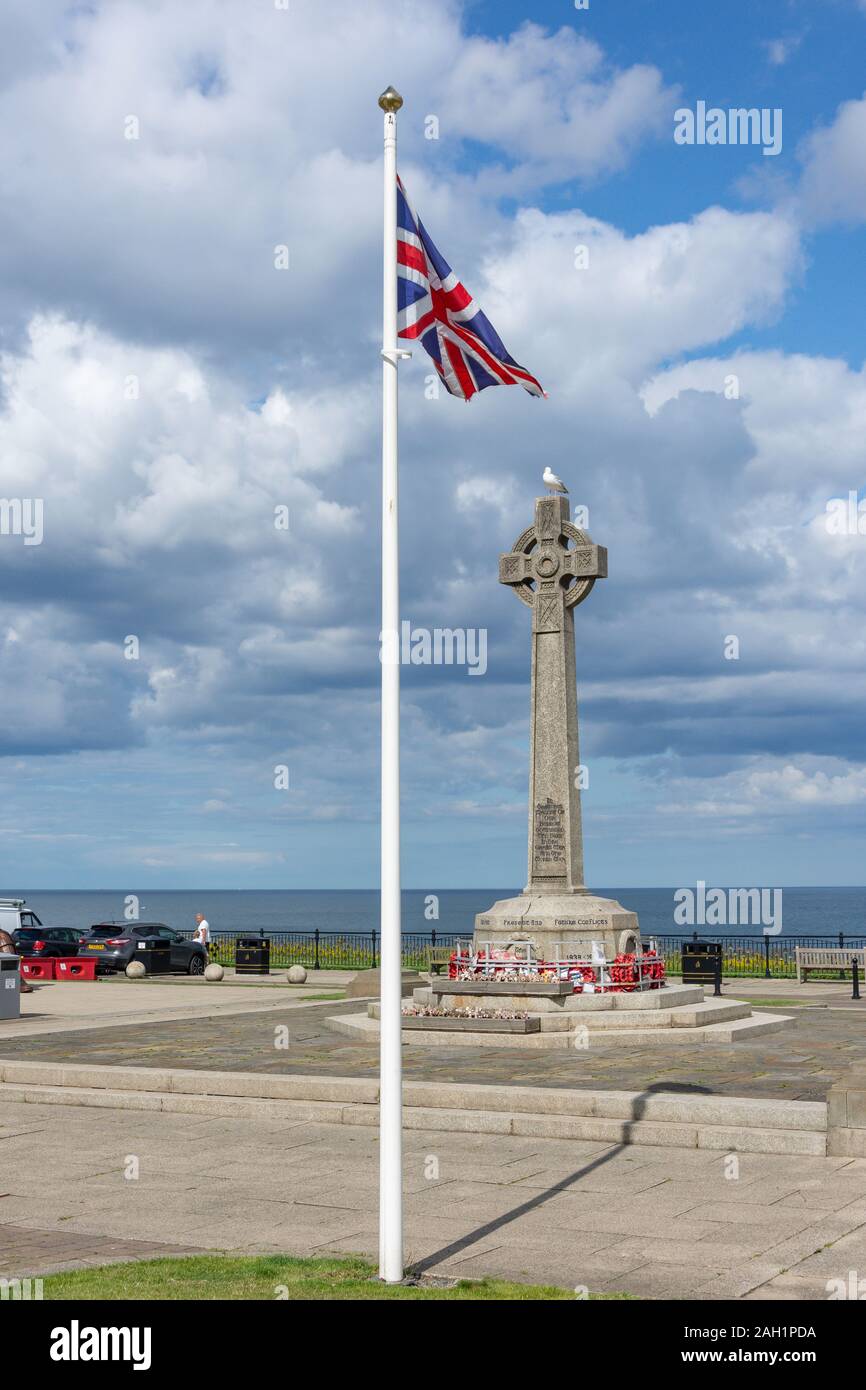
[{"x": 551, "y": 481}]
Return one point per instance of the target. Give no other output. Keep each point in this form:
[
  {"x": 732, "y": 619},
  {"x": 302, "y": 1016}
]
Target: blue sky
[
  {"x": 164, "y": 387},
  {"x": 720, "y": 53}
]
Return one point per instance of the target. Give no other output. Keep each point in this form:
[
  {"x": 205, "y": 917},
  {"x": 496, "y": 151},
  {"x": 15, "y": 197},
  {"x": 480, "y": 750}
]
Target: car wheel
[{"x": 196, "y": 965}]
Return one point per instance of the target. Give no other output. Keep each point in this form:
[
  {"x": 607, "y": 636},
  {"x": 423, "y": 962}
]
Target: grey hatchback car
[{"x": 115, "y": 944}]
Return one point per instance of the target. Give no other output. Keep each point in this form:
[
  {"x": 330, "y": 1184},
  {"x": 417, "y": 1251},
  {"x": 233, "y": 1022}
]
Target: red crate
[
  {"x": 35, "y": 968},
  {"x": 75, "y": 968}
]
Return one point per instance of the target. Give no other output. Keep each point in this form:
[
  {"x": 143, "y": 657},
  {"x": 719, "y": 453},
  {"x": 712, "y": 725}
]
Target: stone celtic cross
[{"x": 552, "y": 567}]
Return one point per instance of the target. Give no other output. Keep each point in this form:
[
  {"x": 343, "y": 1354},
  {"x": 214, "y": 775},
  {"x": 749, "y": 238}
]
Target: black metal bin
[
  {"x": 253, "y": 955},
  {"x": 154, "y": 952},
  {"x": 700, "y": 961}
]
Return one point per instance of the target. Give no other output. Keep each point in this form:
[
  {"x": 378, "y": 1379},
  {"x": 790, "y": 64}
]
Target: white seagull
[{"x": 551, "y": 481}]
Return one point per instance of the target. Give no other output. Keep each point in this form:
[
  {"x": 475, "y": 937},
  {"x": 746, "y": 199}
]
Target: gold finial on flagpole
[{"x": 390, "y": 100}]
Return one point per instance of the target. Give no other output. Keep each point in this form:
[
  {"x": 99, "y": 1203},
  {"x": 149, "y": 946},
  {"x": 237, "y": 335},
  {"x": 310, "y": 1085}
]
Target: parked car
[
  {"x": 115, "y": 943},
  {"x": 46, "y": 941},
  {"x": 14, "y": 913}
]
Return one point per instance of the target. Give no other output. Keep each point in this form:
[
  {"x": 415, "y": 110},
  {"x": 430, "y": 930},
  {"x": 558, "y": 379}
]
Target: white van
[{"x": 15, "y": 913}]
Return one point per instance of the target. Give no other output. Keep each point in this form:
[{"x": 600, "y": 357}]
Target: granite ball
[
  {"x": 214, "y": 972},
  {"x": 297, "y": 975},
  {"x": 135, "y": 970}
]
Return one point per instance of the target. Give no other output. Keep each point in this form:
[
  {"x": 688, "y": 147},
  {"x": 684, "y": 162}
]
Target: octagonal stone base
[{"x": 552, "y": 920}]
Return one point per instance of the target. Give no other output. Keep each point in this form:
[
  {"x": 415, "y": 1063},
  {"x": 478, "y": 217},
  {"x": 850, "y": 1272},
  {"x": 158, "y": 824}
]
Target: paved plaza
[
  {"x": 663, "y": 1223},
  {"x": 799, "y": 1064}
]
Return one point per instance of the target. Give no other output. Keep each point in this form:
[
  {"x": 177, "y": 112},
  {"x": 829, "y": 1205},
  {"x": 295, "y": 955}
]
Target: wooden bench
[
  {"x": 829, "y": 958},
  {"x": 439, "y": 958}
]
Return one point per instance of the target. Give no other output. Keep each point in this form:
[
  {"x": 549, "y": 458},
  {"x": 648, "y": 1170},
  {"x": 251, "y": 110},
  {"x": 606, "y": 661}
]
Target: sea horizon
[{"x": 808, "y": 910}]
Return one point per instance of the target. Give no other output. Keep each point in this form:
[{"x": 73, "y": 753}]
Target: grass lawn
[
  {"x": 769, "y": 1003},
  {"x": 203, "y": 1277},
  {"x": 314, "y": 998}
]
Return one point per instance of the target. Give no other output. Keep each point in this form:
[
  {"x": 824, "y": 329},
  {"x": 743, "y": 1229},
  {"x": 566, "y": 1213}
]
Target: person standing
[{"x": 202, "y": 931}]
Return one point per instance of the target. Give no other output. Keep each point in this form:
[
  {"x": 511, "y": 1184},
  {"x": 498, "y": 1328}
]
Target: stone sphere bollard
[
  {"x": 214, "y": 972},
  {"x": 297, "y": 975},
  {"x": 135, "y": 970}
]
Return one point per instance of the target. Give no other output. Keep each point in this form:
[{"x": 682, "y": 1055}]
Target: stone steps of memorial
[
  {"x": 673, "y": 996},
  {"x": 567, "y": 1031},
  {"x": 692, "y": 1016}
]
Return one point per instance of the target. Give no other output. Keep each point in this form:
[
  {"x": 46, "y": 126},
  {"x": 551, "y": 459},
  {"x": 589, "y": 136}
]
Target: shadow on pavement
[{"x": 457, "y": 1247}]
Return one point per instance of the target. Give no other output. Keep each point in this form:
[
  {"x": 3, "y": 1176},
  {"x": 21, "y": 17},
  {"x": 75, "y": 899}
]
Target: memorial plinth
[
  {"x": 552, "y": 568},
  {"x": 562, "y": 994}
]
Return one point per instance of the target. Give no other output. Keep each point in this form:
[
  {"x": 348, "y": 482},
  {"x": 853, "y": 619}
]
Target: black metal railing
[{"x": 772, "y": 957}]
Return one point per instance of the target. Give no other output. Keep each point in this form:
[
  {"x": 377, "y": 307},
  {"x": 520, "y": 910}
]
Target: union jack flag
[{"x": 434, "y": 306}]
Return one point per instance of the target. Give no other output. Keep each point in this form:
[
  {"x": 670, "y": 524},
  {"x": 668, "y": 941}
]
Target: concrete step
[
  {"x": 739, "y": 1139},
  {"x": 722, "y": 1123},
  {"x": 709, "y": 1012},
  {"x": 691, "y": 1016},
  {"x": 561, "y": 1031},
  {"x": 653, "y": 1000},
  {"x": 742, "y": 1028},
  {"x": 735, "y": 1030},
  {"x": 595, "y": 1129},
  {"x": 672, "y": 1134},
  {"x": 671, "y": 997},
  {"x": 673, "y": 1107}
]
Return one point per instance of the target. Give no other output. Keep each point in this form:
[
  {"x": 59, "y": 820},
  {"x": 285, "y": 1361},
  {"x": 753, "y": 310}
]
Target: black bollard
[
  {"x": 717, "y": 973},
  {"x": 855, "y": 975}
]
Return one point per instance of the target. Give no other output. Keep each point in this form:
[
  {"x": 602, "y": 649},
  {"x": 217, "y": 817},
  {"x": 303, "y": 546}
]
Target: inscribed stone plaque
[{"x": 549, "y": 839}]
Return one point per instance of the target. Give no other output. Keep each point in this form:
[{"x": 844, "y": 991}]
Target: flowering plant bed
[
  {"x": 568, "y": 974},
  {"x": 435, "y": 1011},
  {"x": 468, "y": 982}
]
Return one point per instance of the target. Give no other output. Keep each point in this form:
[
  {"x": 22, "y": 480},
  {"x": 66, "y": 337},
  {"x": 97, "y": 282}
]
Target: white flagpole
[{"x": 390, "y": 1058}]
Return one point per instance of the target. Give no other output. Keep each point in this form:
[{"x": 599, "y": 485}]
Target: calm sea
[{"x": 805, "y": 911}]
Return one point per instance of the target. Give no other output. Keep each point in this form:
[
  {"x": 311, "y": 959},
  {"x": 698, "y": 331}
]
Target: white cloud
[
  {"x": 553, "y": 104},
  {"x": 832, "y": 188},
  {"x": 769, "y": 789},
  {"x": 165, "y": 468},
  {"x": 487, "y": 492},
  {"x": 793, "y": 785},
  {"x": 244, "y": 144},
  {"x": 780, "y": 50},
  {"x": 805, "y": 415},
  {"x": 666, "y": 291}
]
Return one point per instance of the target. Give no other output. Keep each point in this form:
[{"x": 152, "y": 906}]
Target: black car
[
  {"x": 46, "y": 941},
  {"x": 116, "y": 943}
]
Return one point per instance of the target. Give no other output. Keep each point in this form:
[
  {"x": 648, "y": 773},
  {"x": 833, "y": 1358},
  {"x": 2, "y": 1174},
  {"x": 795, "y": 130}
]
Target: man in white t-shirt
[{"x": 202, "y": 931}]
